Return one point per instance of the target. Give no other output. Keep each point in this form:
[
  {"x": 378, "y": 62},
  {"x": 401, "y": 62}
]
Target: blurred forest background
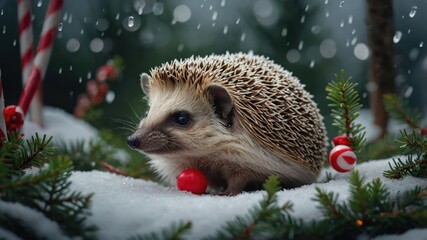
[{"x": 312, "y": 39}]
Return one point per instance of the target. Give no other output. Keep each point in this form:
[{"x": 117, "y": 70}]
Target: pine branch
[
  {"x": 400, "y": 109},
  {"x": 86, "y": 155},
  {"x": 19, "y": 154},
  {"x": 247, "y": 227},
  {"x": 413, "y": 142},
  {"x": 408, "y": 167},
  {"x": 359, "y": 196},
  {"x": 345, "y": 103},
  {"x": 48, "y": 192},
  {"x": 385, "y": 147},
  {"x": 9, "y": 152},
  {"x": 370, "y": 210},
  {"x": 15, "y": 226},
  {"x": 35, "y": 152},
  {"x": 328, "y": 202},
  {"x": 175, "y": 232}
]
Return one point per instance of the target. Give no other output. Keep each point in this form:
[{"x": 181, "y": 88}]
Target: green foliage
[
  {"x": 400, "y": 109},
  {"x": 175, "y": 232},
  {"x": 382, "y": 148},
  {"x": 86, "y": 155},
  {"x": 370, "y": 210},
  {"x": 18, "y": 154},
  {"x": 44, "y": 189},
  {"x": 345, "y": 104},
  {"x": 260, "y": 217},
  {"x": 409, "y": 167},
  {"x": 411, "y": 142}
]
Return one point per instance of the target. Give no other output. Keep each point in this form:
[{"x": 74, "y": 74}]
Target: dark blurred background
[{"x": 312, "y": 39}]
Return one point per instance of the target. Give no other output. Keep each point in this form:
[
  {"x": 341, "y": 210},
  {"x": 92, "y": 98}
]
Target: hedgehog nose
[{"x": 133, "y": 141}]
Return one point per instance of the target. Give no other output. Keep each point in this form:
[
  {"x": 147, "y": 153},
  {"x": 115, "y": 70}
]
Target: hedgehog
[{"x": 238, "y": 118}]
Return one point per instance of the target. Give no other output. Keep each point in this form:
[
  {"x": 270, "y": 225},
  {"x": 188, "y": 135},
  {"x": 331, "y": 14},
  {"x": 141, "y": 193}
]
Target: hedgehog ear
[
  {"x": 145, "y": 83},
  {"x": 222, "y": 100}
]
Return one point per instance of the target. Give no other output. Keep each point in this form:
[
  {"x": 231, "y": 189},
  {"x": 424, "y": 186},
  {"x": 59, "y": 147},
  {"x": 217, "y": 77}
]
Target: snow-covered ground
[{"x": 123, "y": 206}]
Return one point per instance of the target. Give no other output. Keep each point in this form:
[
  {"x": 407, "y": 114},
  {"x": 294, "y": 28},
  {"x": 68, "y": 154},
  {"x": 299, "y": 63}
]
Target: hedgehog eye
[{"x": 182, "y": 118}]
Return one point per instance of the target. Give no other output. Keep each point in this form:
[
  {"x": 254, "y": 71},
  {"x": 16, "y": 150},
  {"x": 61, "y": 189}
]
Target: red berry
[
  {"x": 2, "y": 137},
  {"x": 192, "y": 180},
  {"x": 341, "y": 140},
  {"x": 106, "y": 72},
  {"x": 424, "y": 131},
  {"x": 98, "y": 99},
  {"x": 79, "y": 112},
  {"x": 103, "y": 87},
  {"x": 92, "y": 88},
  {"x": 13, "y": 117},
  {"x": 83, "y": 101}
]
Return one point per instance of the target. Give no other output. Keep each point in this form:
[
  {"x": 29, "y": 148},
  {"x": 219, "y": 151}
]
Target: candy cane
[
  {"x": 27, "y": 55},
  {"x": 25, "y": 37},
  {"x": 3, "y": 133},
  {"x": 44, "y": 50}
]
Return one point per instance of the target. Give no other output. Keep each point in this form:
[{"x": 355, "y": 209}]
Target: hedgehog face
[{"x": 181, "y": 121}]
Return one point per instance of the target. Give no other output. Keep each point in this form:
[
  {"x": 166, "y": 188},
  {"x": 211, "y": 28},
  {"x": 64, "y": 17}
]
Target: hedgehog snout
[
  {"x": 133, "y": 141},
  {"x": 150, "y": 141}
]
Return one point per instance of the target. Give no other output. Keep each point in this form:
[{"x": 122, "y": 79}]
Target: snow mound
[
  {"x": 62, "y": 126},
  {"x": 123, "y": 207}
]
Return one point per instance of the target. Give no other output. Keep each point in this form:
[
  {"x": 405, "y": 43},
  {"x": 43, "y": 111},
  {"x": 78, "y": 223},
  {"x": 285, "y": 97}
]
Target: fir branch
[
  {"x": 370, "y": 210},
  {"x": 413, "y": 142},
  {"x": 9, "y": 152},
  {"x": 376, "y": 195},
  {"x": 247, "y": 227},
  {"x": 175, "y": 232},
  {"x": 328, "y": 203},
  {"x": 385, "y": 147},
  {"x": 408, "y": 167},
  {"x": 35, "y": 152},
  {"x": 86, "y": 155},
  {"x": 400, "y": 109},
  {"x": 359, "y": 196},
  {"x": 19, "y": 154},
  {"x": 345, "y": 103},
  {"x": 15, "y": 226},
  {"x": 48, "y": 192}
]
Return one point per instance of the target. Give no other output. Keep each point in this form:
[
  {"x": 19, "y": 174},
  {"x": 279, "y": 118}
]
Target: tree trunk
[{"x": 381, "y": 63}]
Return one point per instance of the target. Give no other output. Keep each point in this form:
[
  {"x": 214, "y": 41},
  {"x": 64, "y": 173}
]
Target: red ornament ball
[
  {"x": 342, "y": 158},
  {"x": 14, "y": 118},
  {"x": 341, "y": 140},
  {"x": 192, "y": 180}
]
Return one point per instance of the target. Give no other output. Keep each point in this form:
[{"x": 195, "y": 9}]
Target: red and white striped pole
[
  {"x": 27, "y": 55},
  {"x": 25, "y": 37},
  {"x": 44, "y": 50},
  {"x": 3, "y": 132}
]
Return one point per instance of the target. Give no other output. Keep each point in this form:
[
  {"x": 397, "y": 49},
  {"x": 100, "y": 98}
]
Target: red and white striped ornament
[
  {"x": 44, "y": 50},
  {"x": 342, "y": 158}
]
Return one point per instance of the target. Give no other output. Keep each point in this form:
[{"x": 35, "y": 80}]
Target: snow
[
  {"x": 123, "y": 207},
  {"x": 61, "y": 126},
  {"x": 31, "y": 218}
]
